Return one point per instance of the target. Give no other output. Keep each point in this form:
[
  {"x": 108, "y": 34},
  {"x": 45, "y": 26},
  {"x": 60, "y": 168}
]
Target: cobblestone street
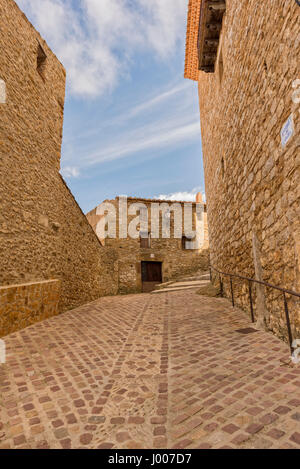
[{"x": 148, "y": 371}]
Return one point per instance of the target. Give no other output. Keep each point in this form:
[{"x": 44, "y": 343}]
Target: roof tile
[{"x": 191, "y": 70}]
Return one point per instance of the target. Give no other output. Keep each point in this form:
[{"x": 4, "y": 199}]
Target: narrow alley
[{"x": 149, "y": 371}]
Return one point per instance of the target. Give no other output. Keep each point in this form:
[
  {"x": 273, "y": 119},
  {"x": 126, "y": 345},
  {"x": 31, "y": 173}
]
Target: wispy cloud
[
  {"x": 70, "y": 172},
  {"x": 186, "y": 196},
  {"x": 159, "y": 122},
  {"x": 163, "y": 23},
  {"x": 157, "y": 100},
  {"x": 155, "y": 104},
  {"x": 95, "y": 39},
  {"x": 127, "y": 57},
  {"x": 143, "y": 141}
]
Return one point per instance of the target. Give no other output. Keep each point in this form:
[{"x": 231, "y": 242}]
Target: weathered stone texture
[
  {"x": 148, "y": 371},
  {"x": 23, "y": 305},
  {"x": 252, "y": 183},
  {"x": 43, "y": 233},
  {"x": 175, "y": 261}
]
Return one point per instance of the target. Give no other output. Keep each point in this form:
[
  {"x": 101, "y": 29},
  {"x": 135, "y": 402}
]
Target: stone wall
[
  {"x": 252, "y": 182},
  {"x": 88, "y": 271},
  {"x": 43, "y": 232},
  {"x": 175, "y": 261},
  {"x": 23, "y": 305}
]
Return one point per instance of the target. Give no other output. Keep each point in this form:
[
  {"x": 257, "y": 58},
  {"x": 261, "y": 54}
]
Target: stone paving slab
[{"x": 146, "y": 371}]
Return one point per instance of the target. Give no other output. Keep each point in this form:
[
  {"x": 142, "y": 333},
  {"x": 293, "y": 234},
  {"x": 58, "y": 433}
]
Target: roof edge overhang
[
  {"x": 210, "y": 25},
  {"x": 204, "y": 26}
]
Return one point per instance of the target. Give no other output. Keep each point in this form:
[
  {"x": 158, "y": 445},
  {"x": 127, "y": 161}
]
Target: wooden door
[{"x": 151, "y": 275}]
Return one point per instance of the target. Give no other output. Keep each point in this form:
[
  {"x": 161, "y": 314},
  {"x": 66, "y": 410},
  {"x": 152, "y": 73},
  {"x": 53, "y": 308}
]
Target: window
[
  {"x": 222, "y": 167},
  {"x": 145, "y": 240},
  {"x": 187, "y": 243},
  {"x": 41, "y": 61},
  {"x": 143, "y": 214}
]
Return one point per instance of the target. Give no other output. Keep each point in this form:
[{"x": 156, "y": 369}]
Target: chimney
[{"x": 199, "y": 198}]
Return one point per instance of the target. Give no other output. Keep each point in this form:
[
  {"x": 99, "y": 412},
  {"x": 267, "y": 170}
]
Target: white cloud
[
  {"x": 186, "y": 196},
  {"x": 164, "y": 24},
  {"x": 95, "y": 39},
  {"x": 159, "y": 99},
  {"x": 70, "y": 172},
  {"x": 155, "y": 104},
  {"x": 146, "y": 138},
  {"x": 157, "y": 123}
]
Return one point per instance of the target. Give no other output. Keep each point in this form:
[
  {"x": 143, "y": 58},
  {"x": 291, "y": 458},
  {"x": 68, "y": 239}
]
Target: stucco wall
[{"x": 252, "y": 183}]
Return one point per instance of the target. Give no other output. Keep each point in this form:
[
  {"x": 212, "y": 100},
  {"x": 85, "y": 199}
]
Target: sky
[{"x": 131, "y": 123}]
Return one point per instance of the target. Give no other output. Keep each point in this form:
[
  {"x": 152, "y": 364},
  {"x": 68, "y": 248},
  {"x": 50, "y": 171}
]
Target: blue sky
[{"x": 131, "y": 120}]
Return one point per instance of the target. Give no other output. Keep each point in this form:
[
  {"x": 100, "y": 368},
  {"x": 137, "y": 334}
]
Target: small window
[
  {"x": 144, "y": 214},
  {"x": 145, "y": 240},
  {"x": 222, "y": 167},
  {"x": 187, "y": 243},
  {"x": 41, "y": 61}
]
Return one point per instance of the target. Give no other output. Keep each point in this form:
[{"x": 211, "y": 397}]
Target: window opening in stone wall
[
  {"x": 41, "y": 61},
  {"x": 145, "y": 240},
  {"x": 222, "y": 167},
  {"x": 187, "y": 243}
]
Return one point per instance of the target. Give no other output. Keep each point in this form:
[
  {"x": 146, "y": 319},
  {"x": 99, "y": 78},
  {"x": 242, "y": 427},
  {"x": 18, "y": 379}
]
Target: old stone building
[
  {"x": 245, "y": 57},
  {"x": 50, "y": 258},
  {"x": 150, "y": 257}
]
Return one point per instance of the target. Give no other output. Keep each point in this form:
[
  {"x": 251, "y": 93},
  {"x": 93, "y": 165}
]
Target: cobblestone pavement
[{"x": 148, "y": 371}]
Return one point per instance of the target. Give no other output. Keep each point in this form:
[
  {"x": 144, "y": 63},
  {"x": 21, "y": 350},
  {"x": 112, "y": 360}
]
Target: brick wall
[
  {"x": 252, "y": 183},
  {"x": 23, "y": 305},
  {"x": 43, "y": 232}
]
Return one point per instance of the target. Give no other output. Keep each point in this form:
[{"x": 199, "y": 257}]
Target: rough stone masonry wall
[
  {"x": 176, "y": 261},
  {"x": 252, "y": 183},
  {"x": 43, "y": 233},
  {"x": 22, "y": 305},
  {"x": 88, "y": 270}
]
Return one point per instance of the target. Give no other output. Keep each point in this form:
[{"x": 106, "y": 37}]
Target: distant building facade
[
  {"x": 245, "y": 57},
  {"x": 153, "y": 256}
]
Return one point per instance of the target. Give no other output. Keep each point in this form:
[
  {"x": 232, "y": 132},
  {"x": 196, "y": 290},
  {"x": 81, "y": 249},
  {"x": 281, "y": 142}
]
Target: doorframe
[{"x": 150, "y": 261}]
